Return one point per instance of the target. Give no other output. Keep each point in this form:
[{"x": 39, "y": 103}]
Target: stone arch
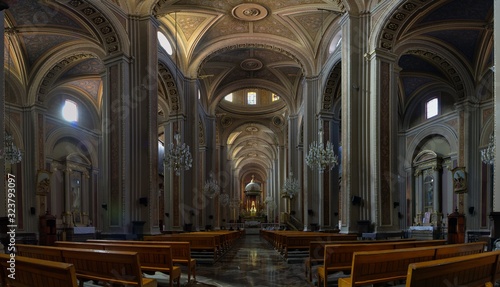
[
  {"x": 438, "y": 129},
  {"x": 111, "y": 34}
]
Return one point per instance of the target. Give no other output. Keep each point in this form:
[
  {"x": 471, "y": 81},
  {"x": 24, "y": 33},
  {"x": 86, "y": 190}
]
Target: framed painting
[
  {"x": 43, "y": 182},
  {"x": 459, "y": 180}
]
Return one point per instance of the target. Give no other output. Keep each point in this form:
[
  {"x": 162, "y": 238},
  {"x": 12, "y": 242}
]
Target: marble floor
[{"x": 252, "y": 262}]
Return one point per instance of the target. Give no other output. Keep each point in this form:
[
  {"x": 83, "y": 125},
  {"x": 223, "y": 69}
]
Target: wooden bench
[
  {"x": 469, "y": 270},
  {"x": 151, "y": 257},
  {"x": 181, "y": 252},
  {"x": 205, "y": 245},
  {"x": 115, "y": 267},
  {"x": 317, "y": 251},
  {"x": 338, "y": 257},
  {"x": 300, "y": 242},
  {"x": 376, "y": 267},
  {"x": 32, "y": 272},
  {"x": 39, "y": 252}
]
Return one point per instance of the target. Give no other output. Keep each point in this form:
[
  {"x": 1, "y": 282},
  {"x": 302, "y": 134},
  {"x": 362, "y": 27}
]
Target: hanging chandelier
[
  {"x": 290, "y": 187},
  {"x": 211, "y": 188},
  {"x": 320, "y": 156},
  {"x": 11, "y": 153},
  {"x": 177, "y": 156},
  {"x": 488, "y": 154}
]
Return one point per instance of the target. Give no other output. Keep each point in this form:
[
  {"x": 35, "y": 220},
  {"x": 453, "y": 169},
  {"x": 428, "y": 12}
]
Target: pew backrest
[
  {"x": 32, "y": 272},
  {"x": 39, "y": 252},
  {"x": 374, "y": 267},
  {"x": 115, "y": 267},
  {"x": 469, "y": 270}
]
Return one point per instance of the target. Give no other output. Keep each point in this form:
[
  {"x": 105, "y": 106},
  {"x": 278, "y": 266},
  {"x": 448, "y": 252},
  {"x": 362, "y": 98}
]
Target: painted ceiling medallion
[
  {"x": 249, "y": 12},
  {"x": 251, "y": 64},
  {"x": 252, "y": 129}
]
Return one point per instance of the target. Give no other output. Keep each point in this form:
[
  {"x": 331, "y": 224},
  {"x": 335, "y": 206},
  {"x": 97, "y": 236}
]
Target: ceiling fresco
[{"x": 231, "y": 45}]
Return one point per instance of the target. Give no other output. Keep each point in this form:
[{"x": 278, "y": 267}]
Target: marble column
[
  {"x": 495, "y": 214},
  {"x": 311, "y": 185},
  {"x": 356, "y": 139},
  {"x": 3, "y": 199}
]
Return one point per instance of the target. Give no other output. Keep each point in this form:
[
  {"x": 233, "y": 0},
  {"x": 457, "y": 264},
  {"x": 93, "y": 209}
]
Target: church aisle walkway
[{"x": 252, "y": 262}]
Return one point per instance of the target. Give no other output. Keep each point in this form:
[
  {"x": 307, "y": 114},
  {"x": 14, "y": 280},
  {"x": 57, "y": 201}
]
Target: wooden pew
[
  {"x": 338, "y": 257},
  {"x": 181, "y": 252},
  {"x": 297, "y": 242},
  {"x": 199, "y": 244},
  {"x": 469, "y": 270},
  {"x": 151, "y": 257},
  {"x": 100, "y": 265},
  {"x": 317, "y": 251},
  {"x": 376, "y": 267},
  {"x": 114, "y": 267},
  {"x": 39, "y": 252},
  {"x": 31, "y": 272}
]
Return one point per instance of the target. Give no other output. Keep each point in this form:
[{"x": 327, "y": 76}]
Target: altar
[
  {"x": 79, "y": 233},
  {"x": 425, "y": 232}
]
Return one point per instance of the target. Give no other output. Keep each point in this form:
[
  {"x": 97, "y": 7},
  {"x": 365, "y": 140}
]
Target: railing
[
  {"x": 295, "y": 223},
  {"x": 235, "y": 226},
  {"x": 270, "y": 226}
]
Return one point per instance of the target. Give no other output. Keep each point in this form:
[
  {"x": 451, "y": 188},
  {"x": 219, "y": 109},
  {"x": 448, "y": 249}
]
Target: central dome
[{"x": 252, "y": 187}]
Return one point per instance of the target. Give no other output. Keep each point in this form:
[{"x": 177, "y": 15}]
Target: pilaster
[
  {"x": 312, "y": 188},
  {"x": 356, "y": 141},
  {"x": 383, "y": 150},
  {"x": 115, "y": 150}
]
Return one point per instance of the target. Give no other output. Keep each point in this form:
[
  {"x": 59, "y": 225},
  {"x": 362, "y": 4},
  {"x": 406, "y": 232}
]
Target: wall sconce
[
  {"x": 356, "y": 200},
  {"x": 471, "y": 210},
  {"x": 105, "y": 206},
  {"x": 143, "y": 201},
  {"x": 167, "y": 214},
  {"x": 310, "y": 212},
  {"x": 395, "y": 204},
  {"x": 32, "y": 210}
]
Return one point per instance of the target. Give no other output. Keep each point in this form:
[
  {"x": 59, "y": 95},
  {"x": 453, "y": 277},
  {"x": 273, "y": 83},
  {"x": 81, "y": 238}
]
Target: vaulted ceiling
[{"x": 236, "y": 44}]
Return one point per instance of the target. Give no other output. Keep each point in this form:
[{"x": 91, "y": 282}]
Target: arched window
[{"x": 70, "y": 111}]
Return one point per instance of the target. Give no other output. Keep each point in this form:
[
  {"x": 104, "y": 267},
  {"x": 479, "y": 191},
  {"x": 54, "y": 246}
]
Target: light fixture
[
  {"x": 177, "y": 156},
  {"x": 320, "y": 156},
  {"x": 211, "y": 188},
  {"x": 488, "y": 154},
  {"x": 290, "y": 187},
  {"x": 11, "y": 153}
]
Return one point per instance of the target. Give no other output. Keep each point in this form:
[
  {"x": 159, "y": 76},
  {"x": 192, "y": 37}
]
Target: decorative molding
[
  {"x": 333, "y": 85},
  {"x": 444, "y": 65},
  {"x": 201, "y": 133},
  {"x": 102, "y": 26},
  {"x": 273, "y": 48},
  {"x": 171, "y": 86},
  {"x": 58, "y": 69},
  {"x": 395, "y": 23}
]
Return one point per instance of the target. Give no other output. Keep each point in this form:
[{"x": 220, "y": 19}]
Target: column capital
[{"x": 381, "y": 54}]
